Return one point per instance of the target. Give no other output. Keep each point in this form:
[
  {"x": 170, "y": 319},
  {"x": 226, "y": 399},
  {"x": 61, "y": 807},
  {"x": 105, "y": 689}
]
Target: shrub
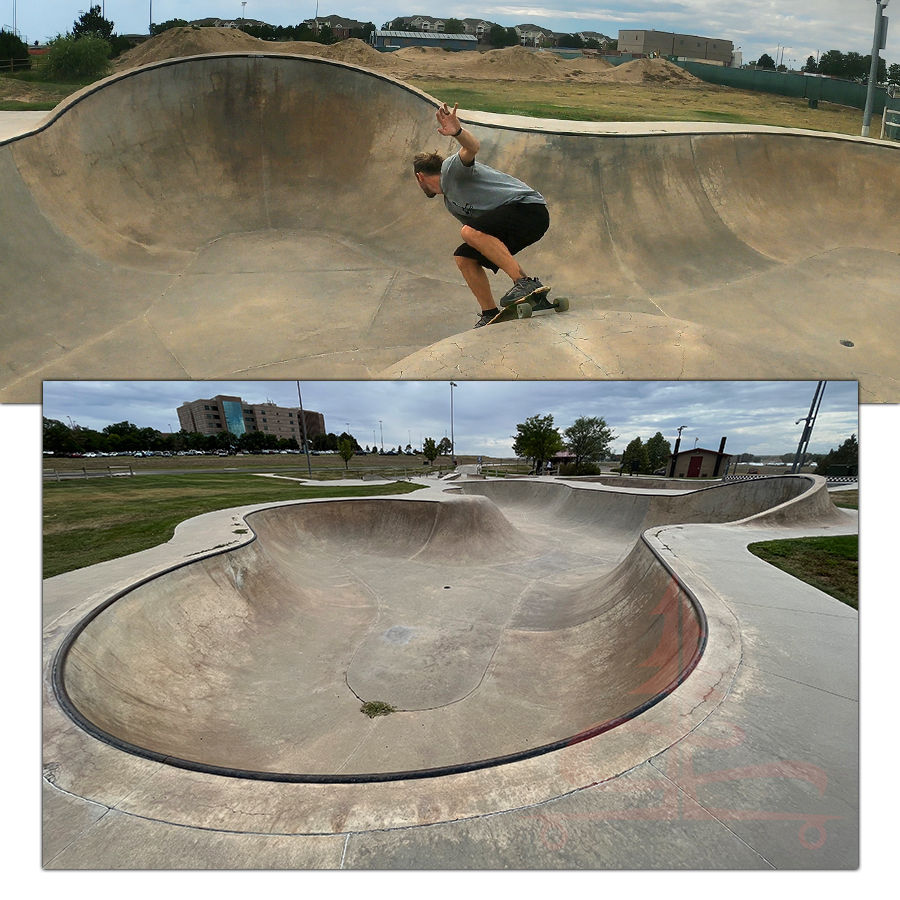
[
  {"x": 13, "y": 47},
  {"x": 85, "y": 57}
]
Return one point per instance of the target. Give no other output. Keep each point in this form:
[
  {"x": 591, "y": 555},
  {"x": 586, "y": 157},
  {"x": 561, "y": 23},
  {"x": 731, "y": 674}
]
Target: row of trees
[
  {"x": 850, "y": 66},
  {"x": 588, "y": 439},
  {"x": 126, "y": 437}
]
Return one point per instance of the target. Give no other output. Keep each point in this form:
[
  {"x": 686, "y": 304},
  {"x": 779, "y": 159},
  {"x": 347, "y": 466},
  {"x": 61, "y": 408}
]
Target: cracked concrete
[{"x": 684, "y": 249}]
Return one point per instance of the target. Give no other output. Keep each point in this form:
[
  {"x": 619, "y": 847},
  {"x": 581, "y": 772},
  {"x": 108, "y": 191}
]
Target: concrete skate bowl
[
  {"x": 255, "y": 215},
  {"x": 496, "y": 632}
]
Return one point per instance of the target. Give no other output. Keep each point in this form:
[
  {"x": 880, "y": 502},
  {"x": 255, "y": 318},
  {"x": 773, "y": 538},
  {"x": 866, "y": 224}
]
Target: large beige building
[
  {"x": 232, "y": 414},
  {"x": 683, "y": 46}
]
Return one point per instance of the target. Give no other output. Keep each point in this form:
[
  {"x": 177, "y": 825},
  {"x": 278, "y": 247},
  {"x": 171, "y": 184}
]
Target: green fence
[{"x": 786, "y": 84}]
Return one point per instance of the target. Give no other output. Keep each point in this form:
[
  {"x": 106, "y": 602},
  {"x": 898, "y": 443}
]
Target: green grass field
[
  {"x": 87, "y": 521},
  {"x": 830, "y": 564}
]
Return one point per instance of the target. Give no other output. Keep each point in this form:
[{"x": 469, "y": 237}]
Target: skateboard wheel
[
  {"x": 562, "y": 304},
  {"x": 524, "y": 310}
]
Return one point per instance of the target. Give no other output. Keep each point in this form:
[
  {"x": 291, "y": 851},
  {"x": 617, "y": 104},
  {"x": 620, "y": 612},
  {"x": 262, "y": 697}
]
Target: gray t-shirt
[{"x": 471, "y": 191}]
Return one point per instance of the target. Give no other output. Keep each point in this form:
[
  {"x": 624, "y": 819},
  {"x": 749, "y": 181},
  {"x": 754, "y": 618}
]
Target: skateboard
[{"x": 522, "y": 309}]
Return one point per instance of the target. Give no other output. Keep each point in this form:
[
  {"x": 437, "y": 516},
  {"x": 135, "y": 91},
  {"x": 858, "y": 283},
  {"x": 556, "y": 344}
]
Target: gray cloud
[{"x": 756, "y": 417}]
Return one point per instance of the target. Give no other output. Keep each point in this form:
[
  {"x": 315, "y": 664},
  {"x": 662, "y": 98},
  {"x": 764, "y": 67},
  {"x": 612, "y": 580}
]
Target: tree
[
  {"x": 765, "y": 62},
  {"x": 811, "y": 65},
  {"x": 659, "y": 450},
  {"x": 571, "y": 40},
  {"x": 893, "y": 74},
  {"x": 13, "y": 47},
  {"x": 845, "y": 455},
  {"x": 69, "y": 57},
  {"x": 635, "y": 459},
  {"x": 502, "y": 37},
  {"x": 346, "y": 450},
  {"x": 92, "y": 22},
  {"x": 538, "y": 440},
  {"x": 430, "y": 450},
  {"x": 588, "y": 438},
  {"x": 454, "y": 26},
  {"x": 165, "y": 26},
  {"x": 445, "y": 448}
]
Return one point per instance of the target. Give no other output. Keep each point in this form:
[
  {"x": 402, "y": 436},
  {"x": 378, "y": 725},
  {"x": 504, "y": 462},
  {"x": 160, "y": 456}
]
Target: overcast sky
[
  {"x": 802, "y": 27},
  {"x": 756, "y": 416}
]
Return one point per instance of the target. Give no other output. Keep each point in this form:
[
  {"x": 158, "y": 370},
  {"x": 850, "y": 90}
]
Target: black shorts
[{"x": 518, "y": 225}]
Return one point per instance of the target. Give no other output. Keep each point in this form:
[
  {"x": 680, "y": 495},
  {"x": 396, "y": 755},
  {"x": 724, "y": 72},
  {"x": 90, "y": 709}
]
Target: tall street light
[
  {"x": 879, "y": 42},
  {"x": 453, "y": 384},
  {"x": 303, "y": 429},
  {"x": 809, "y": 422}
]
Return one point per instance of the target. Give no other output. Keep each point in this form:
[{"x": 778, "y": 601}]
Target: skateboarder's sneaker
[
  {"x": 522, "y": 290},
  {"x": 486, "y": 316}
]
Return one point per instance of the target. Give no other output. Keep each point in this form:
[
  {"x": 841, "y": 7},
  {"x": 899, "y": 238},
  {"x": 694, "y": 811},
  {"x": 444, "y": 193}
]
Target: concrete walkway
[{"x": 765, "y": 776}]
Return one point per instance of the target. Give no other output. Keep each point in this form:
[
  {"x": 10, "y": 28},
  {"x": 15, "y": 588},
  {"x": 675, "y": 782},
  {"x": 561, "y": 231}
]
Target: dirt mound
[
  {"x": 356, "y": 52},
  {"x": 418, "y": 52},
  {"x": 652, "y": 71},
  {"x": 188, "y": 41},
  {"x": 192, "y": 41},
  {"x": 587, "y": 64},
  {"x": 516, "y": 62}
]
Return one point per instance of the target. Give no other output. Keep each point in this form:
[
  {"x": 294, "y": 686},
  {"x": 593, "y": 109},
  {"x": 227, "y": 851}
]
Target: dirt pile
[
  {"x": 652, "y": 71},
  {"x": 192, "y": 41},
  {"x": 513, "y": 63},
  {"x": 189, "y": 41}
]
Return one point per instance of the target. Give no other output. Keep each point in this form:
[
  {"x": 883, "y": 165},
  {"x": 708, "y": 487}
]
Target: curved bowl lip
[
  {"x": 498, "y": 121},
  {"x": 57, "y": 678},
  {"x": 73, "y": 100}
]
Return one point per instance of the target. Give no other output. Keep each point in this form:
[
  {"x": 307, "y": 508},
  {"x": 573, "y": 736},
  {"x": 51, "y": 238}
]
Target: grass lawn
[
  {"x": 25, "y": 91},
  {"x": 639, "y": 103},
  {"x": 93, "y": 520},
  {"x": 830, "y": 564}
]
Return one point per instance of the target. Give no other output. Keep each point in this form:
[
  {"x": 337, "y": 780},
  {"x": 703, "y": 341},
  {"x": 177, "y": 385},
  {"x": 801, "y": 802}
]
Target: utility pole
[
  {"x": 810, "y": 420},
  {"x": 879, "y": 42},
  {"x": 675, "y": 452},
  {"x": 453, "y": 384},
  {"x": 303, "y": 427}
]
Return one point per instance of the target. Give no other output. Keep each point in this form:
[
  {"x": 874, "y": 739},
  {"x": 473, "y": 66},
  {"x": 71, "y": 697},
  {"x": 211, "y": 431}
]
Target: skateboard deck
[{"x": 522, "y": 309}]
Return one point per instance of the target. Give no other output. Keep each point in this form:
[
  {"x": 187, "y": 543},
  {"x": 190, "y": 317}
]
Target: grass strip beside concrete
[
  {"x": 830, "y": 564},
  {"x": 98, "y": 519}
]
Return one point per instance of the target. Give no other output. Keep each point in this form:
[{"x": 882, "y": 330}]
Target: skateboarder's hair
[{"x": 428, "y": 163}]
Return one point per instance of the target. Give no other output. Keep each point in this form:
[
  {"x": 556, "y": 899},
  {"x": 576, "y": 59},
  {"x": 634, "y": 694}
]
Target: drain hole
[{"x": 847, "y": 344}]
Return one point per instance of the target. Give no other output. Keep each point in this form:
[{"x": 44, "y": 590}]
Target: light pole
[
  {"x": 453, "y": 384},
  {"x": 879, "y": 42},
  {"x": 809, "y": 421},
  {"x": 303, "y": 429}
]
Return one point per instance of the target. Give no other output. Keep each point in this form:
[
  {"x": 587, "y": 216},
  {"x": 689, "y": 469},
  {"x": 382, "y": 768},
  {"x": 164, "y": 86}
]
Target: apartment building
[{"x": 234, "y": 415}]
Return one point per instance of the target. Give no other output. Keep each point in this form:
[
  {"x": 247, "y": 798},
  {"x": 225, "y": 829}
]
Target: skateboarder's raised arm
[{"x": 449, "y": 125}]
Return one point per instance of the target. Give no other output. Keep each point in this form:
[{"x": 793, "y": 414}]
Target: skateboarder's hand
[{"x": 448, "y": 123}]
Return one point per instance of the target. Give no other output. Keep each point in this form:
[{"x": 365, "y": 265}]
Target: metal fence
[
  {"x": 84, "y": 472},
  {"x": 788, "y": 84}
]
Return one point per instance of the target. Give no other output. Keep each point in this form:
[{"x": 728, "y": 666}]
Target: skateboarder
[{"x": 500, "y": 214}]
